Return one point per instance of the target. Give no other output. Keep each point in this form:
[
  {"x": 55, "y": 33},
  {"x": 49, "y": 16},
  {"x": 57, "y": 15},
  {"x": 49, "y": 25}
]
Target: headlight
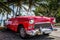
[{"x": 31, "y": 21}]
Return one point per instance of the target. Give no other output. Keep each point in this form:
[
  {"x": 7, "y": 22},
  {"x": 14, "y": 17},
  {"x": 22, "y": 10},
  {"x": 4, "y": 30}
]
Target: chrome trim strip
[{"x": 41, "y": 22}]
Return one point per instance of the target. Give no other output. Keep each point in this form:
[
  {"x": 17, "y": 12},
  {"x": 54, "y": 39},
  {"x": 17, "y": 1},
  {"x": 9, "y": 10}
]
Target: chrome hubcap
[{"x": 22, "y": 33}]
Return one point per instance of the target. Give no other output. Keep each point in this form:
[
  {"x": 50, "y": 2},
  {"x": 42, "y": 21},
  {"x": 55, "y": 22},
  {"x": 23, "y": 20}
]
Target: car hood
[
  {"x": 37, "y": 18},
  {"x": 42, "y": 19}
]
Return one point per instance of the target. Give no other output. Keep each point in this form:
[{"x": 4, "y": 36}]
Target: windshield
[{"x": 27, "y": 13}]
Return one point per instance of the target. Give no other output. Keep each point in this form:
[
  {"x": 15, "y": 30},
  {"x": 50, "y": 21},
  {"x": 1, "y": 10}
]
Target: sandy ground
[{"x": 56, "y": 33}]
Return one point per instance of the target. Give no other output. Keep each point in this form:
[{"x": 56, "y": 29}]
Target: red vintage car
[{"x": 31, "y": 25}]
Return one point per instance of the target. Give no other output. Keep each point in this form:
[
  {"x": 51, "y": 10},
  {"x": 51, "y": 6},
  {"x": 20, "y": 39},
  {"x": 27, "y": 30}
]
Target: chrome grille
[{"x": 44, "y": 25}]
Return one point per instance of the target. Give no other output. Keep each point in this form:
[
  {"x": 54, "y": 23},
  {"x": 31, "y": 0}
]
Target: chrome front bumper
[
  {"x": 46, "y": 31},
  {"x": 37, "y": 32},
  {"x": 33, "y": 32}
]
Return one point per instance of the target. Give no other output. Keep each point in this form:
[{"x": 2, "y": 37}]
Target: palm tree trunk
[
  {"x": 7, "y": 12},
  {"x": 2, "y": 24},
  {"x": 16, "y": 11},
  {"x": 13, "y": 10},
  {"x": 19, "y": 11}
]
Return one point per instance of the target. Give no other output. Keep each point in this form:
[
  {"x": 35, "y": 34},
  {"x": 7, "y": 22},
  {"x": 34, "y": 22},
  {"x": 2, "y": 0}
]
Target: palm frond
[{"x": 5, "y": 7}]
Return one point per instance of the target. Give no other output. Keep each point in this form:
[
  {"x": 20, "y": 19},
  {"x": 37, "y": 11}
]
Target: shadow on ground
[{"x": 9, "y": 35}]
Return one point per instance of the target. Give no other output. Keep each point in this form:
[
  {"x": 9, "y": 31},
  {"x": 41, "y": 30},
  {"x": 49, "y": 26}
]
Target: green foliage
[
  {"x": 40, "y": 10},
  {"x": 58, "y": 16},
  {"x": 50, "y": 9},
  {"x": 2, "y": 0}
]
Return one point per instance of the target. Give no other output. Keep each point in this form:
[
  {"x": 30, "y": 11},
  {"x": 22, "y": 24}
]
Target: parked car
[{"x": 31, "y": 25}]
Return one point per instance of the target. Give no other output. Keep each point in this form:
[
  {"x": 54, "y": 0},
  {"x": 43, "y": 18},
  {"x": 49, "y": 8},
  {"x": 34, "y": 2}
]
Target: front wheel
[{"x": 22, "y": 32}]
